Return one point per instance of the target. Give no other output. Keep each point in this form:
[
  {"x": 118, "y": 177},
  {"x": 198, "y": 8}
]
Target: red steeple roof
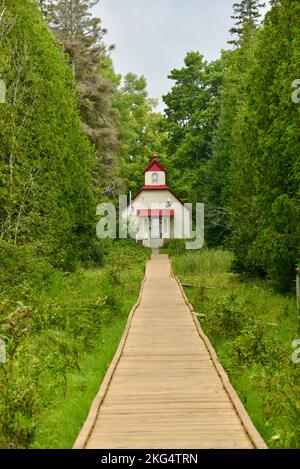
[{"x": 155, "y": 165}]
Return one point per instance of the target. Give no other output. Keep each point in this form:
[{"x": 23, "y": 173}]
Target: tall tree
[
  {"x": 72, "y": 19},
  {"x": 246, "y": 12},
  {"x": 265, "y": 174},
  {"x": 191, "y": 116},
  {"x": 218, "y": 186},
  {"x": 82, "y": 36},
  {"x": 140, "y": 129},
  {"x": 46, "y": 194}
]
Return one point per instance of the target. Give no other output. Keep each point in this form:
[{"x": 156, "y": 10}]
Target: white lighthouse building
[{"x": 156, "y": 212}]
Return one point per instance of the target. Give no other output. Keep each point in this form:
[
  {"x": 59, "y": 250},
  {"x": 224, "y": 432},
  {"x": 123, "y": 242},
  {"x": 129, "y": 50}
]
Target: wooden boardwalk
[{"x": 165, "y": 387}]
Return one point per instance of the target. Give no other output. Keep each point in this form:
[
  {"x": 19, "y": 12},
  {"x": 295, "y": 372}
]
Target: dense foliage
[
  {"x": 252, "y": 330},
  {"x": 191, "y": 117},
  {"x": 265, "y": 176},
  {"x": 117, "y": 114},
  {"x": 56, "y": 323},
  {"x": 82, "y": 36},
  {"x": 234, "y": 129},
  {"x": 46, "y": 161},
  {"x": 74, "y": 133},
  {"x": 61, "y": 153}
]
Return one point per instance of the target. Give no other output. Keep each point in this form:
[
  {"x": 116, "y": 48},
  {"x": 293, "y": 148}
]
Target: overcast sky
[{"x": 153, "y": 36}]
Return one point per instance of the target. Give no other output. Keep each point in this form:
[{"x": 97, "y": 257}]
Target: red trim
[
  {"x": 155, "y": 213},
  {"x": 155, "y": 166},
  {"x": 148, "y": 188}
]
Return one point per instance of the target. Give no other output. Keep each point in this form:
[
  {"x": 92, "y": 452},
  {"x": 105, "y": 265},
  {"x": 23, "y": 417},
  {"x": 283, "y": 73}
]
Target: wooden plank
[
  {"x": 88, "y": 426},
  {"x": 165, "y": 387},
  {"x": 252, "y": 432}
]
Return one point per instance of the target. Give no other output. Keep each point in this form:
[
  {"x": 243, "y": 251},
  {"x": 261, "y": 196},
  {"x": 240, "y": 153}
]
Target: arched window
[{"x": 154, "y": 177}]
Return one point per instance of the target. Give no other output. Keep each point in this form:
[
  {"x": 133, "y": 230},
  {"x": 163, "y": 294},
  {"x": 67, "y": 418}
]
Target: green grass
[
  {"x": 251, "y": 328},
  {"x": 58, "y": 427},
  {"x": 63, "y": 344}
]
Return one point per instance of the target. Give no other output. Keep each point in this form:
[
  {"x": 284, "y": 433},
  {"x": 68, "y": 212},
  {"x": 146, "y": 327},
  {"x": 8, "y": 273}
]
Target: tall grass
[
  {"x": 252, "y": 329},
  {"x": 59, "y": 425},
  {"x": 61, "y": 330},
  {"x": 203, "y": 263}
]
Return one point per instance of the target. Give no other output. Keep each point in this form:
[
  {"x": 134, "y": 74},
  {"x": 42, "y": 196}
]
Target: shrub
[
  {"x": 255, "y": 345},
  {"x": 64, "y": 322},
  {"x": 23, "y": 266},
  {"x": 228, "y": 317}
]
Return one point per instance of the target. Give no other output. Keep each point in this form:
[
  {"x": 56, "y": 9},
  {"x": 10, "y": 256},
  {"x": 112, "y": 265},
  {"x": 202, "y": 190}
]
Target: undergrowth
[
  {"x": 54, "y": 325},
  {"x": 252, "y": 329}
]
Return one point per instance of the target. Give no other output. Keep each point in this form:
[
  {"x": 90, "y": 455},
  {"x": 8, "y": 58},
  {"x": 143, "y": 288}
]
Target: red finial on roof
[{"x": 154, "y": 156}]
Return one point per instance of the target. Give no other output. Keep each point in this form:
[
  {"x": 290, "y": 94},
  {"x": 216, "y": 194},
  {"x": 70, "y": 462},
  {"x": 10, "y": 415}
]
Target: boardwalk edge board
[
  {"x": 89, "y": 424},
  {"x": 247, "y": 423}
]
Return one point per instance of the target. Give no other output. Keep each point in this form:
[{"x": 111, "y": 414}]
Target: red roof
[
  {"x": 150, "y": 188},
  {"x": 155, "y": 213},
  {"x": 155, "y": 166}
]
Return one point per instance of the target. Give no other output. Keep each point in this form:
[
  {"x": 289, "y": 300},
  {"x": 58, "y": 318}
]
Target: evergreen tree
[
  {"x": 72, "y": 19},
  {"x": 46, "y": 193},
  {"x": 218, "y": 187},
  {"x": 247, "y": 12},
  {"x": 82, "y": 36},
  {"x": 265, "y": 174}
]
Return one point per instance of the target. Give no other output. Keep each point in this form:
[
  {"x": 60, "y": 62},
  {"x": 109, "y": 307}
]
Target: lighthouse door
[{"x": 155, "y": 229}]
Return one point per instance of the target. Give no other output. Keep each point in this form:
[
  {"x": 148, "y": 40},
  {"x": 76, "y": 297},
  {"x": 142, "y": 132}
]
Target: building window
[{"x": 154, "y": 177}]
